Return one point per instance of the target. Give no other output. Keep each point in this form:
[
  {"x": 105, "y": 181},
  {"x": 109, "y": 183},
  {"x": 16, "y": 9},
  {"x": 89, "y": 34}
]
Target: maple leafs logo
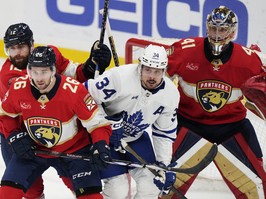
[{"x": 133, "y": 124}]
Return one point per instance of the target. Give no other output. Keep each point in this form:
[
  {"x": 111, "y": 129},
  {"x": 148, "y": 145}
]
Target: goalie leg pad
[
  {"x": 189, "y": 149},
  {"x": 241, "y": 180},
  {"x": 254, "y": 159}
]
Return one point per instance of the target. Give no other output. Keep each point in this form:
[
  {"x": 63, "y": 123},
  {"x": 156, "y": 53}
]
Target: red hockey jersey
[
  {"x": 9, "y": 72},
  {"x": 210, "y": 90},
  {"x": 52, "y": 119}
]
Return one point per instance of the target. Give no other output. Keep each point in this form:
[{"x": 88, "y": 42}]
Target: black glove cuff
[{"x": 88, "y": 69}]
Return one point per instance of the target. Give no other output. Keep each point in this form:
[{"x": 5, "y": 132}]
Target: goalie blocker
[{"x": 254, "y": 89}]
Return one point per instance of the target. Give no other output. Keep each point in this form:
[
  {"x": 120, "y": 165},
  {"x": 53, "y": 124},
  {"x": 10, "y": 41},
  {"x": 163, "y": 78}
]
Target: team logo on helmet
[
  {"x": 45, "y": 131},
  {"x": 213, "y": 95}
]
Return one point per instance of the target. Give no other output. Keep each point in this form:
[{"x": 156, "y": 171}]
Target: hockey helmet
[
  {"x": 19, "y": 33},
  {"x": 42, "y": 56},
  {"x": 222, "y": 24},
  {"x": 154, "y": 56}
]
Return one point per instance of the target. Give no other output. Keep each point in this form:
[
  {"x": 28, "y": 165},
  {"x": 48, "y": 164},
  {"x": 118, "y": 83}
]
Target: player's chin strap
[{"x": 192, "y": 170}]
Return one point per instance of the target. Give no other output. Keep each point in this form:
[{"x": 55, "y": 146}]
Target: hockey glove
[
  {"x": 101, "y": 154},
  {"x": 254, "y": 89},
  {"x": 117, "y": 132},
  {"x": 164, "y": 180},
  {"x": 101, "y": 55},
  {"x": 255, "y": 47},
  {"x": 22, "y": 144}
]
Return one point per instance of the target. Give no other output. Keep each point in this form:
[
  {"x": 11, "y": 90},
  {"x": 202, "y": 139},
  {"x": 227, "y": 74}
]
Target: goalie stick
[
  {"x": 111, "y": 40},
  {"x": 141, "y": 160},
  {"x": 192, "y": 170},
  {"x": 103, "y": 28}
]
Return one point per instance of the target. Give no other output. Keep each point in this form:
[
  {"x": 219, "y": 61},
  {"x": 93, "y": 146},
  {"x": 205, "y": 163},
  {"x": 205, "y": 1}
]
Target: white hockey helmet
[{"x": 154, "y": 56}]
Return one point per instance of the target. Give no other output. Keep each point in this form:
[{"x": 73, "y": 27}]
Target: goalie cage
[{"x": 209, "y": 179}]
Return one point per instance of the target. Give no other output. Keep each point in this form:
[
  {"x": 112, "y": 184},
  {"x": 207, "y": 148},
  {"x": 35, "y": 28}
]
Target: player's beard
[{"x": 20, "y": 62}]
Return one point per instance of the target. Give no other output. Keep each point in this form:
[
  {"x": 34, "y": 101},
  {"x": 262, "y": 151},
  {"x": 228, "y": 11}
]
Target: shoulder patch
[{"x": 90, "y": 102}]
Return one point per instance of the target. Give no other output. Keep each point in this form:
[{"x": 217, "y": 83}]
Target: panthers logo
[
  {"x": 213, "y": 95},
  {"x": 45, "y": 131}
]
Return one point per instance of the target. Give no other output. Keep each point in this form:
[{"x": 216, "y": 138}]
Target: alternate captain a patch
[
  {"x": 213, "y": 95},
  {"x": 45, "y": 131}
]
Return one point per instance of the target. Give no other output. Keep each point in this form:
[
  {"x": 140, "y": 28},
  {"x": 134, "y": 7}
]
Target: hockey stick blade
[{"x": 201, "y": 165}]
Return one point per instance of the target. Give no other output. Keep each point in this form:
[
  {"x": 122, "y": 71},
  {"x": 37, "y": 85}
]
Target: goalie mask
[
  {"x": 221, "y": 28},
  {"x": 18, "y": 34}
]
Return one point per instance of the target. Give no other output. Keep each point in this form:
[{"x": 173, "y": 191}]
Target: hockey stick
[
  {"x": 111, "y": 40},
  {"x": 89, "y": 159},
  {"x": 141, "y": 160},
  {"x": 192, "y": 170},
  {"x": 103, "y": 28}
]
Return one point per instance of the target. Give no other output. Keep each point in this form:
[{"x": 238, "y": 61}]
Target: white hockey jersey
[{"x": 120, "y": 90}]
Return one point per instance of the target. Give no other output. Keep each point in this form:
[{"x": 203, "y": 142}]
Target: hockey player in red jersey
[
  {"x": 19, "y": 44},
  {"x": 52, "y": 108},
  {"x": 210, "y": 73}
]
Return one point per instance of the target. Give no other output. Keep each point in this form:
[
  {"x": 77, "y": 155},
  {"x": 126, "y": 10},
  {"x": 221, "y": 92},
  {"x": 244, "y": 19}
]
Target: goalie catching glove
[
  {"x": 254, "y": 89},
  {"x": 100, "y": 55}
]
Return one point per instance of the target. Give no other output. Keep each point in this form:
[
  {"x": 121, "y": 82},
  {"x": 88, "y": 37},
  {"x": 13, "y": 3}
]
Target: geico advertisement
[{"x": 76, "y": 24}]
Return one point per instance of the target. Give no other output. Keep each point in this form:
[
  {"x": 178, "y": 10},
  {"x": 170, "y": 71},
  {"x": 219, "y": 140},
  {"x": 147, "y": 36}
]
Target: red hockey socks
[
  {"x": 91, "y": 196},
  {"x": 7, "y": 192}
]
